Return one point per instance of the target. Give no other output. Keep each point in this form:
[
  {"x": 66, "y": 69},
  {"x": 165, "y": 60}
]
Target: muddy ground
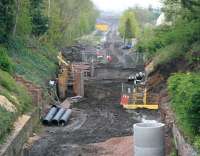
[{"x": 97, "y": 118}]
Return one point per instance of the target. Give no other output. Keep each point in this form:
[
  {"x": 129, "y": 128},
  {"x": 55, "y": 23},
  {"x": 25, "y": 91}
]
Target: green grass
[
  {"x": 18, "y": 96},
  {"x": 37, "y": 64},
  {"x": 7, "y": 119},
  {"x": 34, "y": 61},
  {"x": 16, "y": 93}
]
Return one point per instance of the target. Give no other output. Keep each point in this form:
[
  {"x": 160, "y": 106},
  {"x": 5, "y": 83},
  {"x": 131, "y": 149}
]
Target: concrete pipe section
[
  {"x": 149, "y": 139},
  {"x": 48, "y": 118},
  {"x": 65, "y": 117},
  {"x": 57, "y": 116}
]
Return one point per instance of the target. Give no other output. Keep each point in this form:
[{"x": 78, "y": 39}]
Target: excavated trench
[{"x": 97, "y": 118}]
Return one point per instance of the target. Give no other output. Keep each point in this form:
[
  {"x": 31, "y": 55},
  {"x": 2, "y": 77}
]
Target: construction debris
[{"x": 76, "y": 99}]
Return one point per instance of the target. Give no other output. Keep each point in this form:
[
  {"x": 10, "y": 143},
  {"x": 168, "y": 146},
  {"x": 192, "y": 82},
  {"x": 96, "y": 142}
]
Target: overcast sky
[{"x": 120, "y": 5}]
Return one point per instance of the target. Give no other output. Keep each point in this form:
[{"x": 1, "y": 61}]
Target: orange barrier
[{"x": 124, "y": 100}]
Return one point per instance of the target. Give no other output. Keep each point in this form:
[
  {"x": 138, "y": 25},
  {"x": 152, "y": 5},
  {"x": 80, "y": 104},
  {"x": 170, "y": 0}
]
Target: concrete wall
[
  {"x": 25, "y": 124},
  {"x": 23, "y": 128},
  {"x": 184, "y": 149}
]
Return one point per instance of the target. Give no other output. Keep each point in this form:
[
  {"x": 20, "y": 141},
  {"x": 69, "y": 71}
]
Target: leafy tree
[
  {"x": 70, "y": 19},
  {"x": 189, "y": 9},
  {"x": 39, "y": 21},
  {"x": 22, "y": 20},
  {"x": 145, "y": 16},
  {"x": 6, "y": 19},
  {"x": 128, "y": 27}
]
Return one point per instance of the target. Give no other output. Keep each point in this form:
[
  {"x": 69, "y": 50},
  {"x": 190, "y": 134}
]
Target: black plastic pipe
[
  {"x": 58, "y": 115},
  {"x": 65, "y": 117}
]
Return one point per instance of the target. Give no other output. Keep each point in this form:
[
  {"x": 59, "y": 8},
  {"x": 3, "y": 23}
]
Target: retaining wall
[
  {"x": 25, "y": 124},
  {"x": 23, "y": 128}
]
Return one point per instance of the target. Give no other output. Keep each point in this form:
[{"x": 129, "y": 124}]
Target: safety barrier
[
  {"x": 137, "y": 96},
  {"x": 124, "y": 100}
]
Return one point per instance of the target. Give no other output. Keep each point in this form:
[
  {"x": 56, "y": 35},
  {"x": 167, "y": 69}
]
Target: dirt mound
[{"x": 120, "y": 146}]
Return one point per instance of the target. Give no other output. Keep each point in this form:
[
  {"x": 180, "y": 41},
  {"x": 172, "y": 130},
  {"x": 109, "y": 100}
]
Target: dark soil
[{"x": 97, "y": 118}]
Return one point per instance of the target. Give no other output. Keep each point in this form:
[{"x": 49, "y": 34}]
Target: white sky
[{"x": 120, "y": 5}]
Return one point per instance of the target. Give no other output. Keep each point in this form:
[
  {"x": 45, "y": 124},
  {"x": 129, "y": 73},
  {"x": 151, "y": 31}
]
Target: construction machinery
[{"x": 63, "y": 76}]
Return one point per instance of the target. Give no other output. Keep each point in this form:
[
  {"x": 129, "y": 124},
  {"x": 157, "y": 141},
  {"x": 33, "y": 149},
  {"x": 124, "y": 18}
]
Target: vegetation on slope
[
  {"x": 179, "y": 38},
  {"x": 31, "y": 34},
  {"x": 185, "y": 101},
  {"x": 175, "y": 40},
  {"x": 18, "y": 96}
]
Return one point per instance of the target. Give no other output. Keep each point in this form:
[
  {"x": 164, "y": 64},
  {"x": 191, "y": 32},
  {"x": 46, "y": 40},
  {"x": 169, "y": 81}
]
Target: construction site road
[{"x": 95, "y": 119}]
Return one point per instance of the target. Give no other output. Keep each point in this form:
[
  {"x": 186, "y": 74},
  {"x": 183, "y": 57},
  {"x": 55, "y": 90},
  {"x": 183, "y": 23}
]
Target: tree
[
  {"x": 23, "y": 22},
  {"x": 144, "y": 15},
  {"x": 6, "y": 19},
  {"x": 128, "y": 26},
  {"x": 14, "y": 19},
  {"x": 39, "y": 21},
  {"x": 70, "y": 19},
  {"x": 128, "y": 29},
  {"x": 174, "y": 9}
]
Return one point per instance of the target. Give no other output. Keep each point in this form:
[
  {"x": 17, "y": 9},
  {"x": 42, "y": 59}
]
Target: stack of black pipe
[{"x": 57, "y": 116}]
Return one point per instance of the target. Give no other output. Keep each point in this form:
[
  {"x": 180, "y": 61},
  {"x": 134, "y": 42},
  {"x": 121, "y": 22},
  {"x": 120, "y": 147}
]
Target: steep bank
[{"x": 161, "y": 78}]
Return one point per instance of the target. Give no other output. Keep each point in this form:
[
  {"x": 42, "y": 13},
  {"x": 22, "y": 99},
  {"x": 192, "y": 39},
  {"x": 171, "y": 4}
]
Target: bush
[
  {"x": 5, "y": 63},
  {"x": 185, "y": 100}
]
